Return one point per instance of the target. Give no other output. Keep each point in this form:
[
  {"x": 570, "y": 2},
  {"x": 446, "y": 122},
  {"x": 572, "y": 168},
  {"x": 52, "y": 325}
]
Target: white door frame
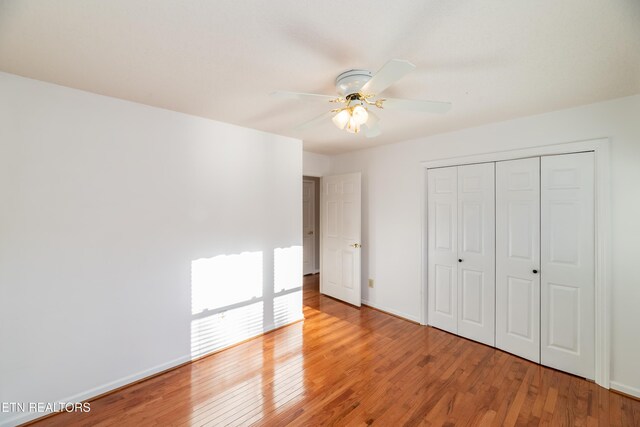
[{"x": 601, "y": 149}]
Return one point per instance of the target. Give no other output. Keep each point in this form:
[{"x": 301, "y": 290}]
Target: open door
[{"x": 340, "y": 237}]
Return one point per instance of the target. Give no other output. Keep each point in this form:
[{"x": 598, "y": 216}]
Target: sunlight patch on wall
[
  {"x": 287, "y": 285},
  {"x": 287, "y": 308},
  {"x": 226, "y": 301},
  {"x": 225, "y": 280},
  {"x": 219, "y": 330},
  {"x": 287, "y": 268}
]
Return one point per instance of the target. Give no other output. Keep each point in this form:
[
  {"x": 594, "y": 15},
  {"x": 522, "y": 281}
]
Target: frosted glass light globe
[
  {"x": 341, "y": 119},
  {"x": 360, "y": 114}
]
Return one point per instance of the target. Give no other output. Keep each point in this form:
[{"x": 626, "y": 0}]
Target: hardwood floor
[{"x": 344, "y": 366}]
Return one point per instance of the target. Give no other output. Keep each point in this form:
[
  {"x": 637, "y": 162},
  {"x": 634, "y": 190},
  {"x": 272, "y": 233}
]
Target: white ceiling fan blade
[
  {"x": 390, "y": 73},
  {"x": 416, "y": 105},
  {"x": 300, "y": 96},
  {"x": 315, "y": 121},
  {"x": 372, "y": 126}
]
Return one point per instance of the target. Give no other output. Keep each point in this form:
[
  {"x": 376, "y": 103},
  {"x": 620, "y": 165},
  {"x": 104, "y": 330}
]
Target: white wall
[
  {"x": 105, "y": 207},
  {"x": 392, "y": 197},
  {"x": 315, "y": 164}
]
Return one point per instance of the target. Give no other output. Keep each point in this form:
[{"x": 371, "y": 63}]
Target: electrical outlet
[{"x": 371, "y": 283}]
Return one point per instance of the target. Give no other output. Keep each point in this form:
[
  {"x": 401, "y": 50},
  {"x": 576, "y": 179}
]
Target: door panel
[
  {"x": 341, "y": 233},
  {"x": 348, "y": 262},
  {"x": 350, "y": 227},
  {"x": 567, "y": 255},
  {"x": 521, "y": 309},
  {"x": 520, "y": 222},
  {"x": 308, "y": 227},
  {"x": 332, "y": 220},
  {"x": 476, "y": 252},
  {"x": 442, "y": 187},
  {"x": 471, "y": 297},
  {"x": 443, "y": 291},
  {"x": 444, "y": 232},
  {"x": 564, "y": 302},
  {"x": 472, "y": 230},
  {"x": 517, "y": 255},
  {"x": 330, "y": 268}
]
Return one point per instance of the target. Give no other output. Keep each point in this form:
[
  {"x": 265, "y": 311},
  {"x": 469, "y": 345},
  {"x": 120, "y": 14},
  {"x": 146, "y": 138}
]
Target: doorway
[{"x": 310, "y": 225}]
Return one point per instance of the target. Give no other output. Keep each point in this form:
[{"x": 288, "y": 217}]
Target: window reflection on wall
[
  {"x": 287, "y": 266},
  {"x": 287, "y": 285},
  {"x": 225, "y": 280},
  {"x": 226, "y": 301}
]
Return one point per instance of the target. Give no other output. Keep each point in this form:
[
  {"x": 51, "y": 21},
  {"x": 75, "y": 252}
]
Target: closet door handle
[
  {"x": 535, "y": 271},
  {"x": 460, "y": 260}
]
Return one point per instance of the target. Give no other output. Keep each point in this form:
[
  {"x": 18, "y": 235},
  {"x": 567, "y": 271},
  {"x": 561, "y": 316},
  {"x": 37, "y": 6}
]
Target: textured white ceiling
[{"x": 493, "y": 59}]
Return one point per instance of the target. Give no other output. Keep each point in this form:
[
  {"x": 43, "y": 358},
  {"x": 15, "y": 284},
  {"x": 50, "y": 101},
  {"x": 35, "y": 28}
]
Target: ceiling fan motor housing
[{"x": 351, "y": 81}]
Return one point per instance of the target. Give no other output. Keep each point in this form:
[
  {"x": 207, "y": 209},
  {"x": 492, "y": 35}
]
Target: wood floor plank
[{"x": 346, "y": 366}]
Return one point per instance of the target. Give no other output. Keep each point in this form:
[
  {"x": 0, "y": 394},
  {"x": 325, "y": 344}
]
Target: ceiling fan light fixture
[
  {"x": 342, "y": 118},
  {"x": 359, "y": 92}
]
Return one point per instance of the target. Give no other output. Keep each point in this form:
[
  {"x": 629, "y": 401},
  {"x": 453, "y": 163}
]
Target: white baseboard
[
  {"x": 392, "y": 311},
  {"x": 105, "y": 388},
  {"x": 626, "y": 389}
]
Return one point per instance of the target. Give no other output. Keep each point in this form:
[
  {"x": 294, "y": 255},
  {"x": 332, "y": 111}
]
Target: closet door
[
  {"x": 476, "y": 252},
  {"x": 518, "y": 257},
  {"x": 567, "y": 271},
  {"x": 442, "y": 248}
]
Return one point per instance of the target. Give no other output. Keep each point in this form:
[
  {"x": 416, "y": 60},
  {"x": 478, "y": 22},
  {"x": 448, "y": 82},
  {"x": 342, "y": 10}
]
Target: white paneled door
[
  {"x": 476, "y": 252},
  {"x": 567, "y": 269},
  {"x": 340, "y": 243},
  {"x": 308, "y": 228},
  {"x": 518, "y": 257},
  {"x": 442, "y": 213},
  {"x": 461, "y": 250}
]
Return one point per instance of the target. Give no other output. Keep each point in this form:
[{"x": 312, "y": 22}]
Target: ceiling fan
[{"x": 359, "y": 92}]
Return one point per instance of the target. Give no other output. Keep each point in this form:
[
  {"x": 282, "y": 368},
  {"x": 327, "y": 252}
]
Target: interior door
[
  {"x": 442, "y": 237},
  {"x": 518, "y": 257},
  {"x": 568, "y": 263},
  {"x": 340, "y": 243},
  {"x": 308, "y": 227},
  {"x": 476, "y": 252}
]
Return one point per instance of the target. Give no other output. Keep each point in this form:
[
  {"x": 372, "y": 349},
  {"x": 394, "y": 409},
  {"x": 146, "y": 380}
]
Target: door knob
[
  {"x": 356, "y": 245},
  {"x": 460, "y": 260},
  {"x": 535, "y": 271},
  {"x": 310, "y": 233}
]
